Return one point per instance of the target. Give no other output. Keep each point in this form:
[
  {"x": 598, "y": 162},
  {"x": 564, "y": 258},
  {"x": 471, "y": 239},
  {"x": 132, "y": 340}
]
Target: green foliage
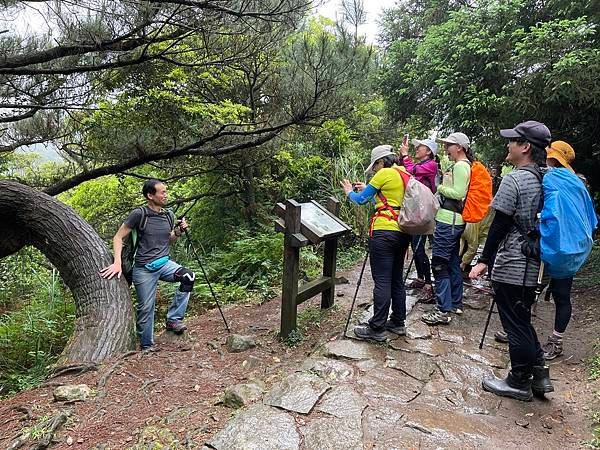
[
  {"x": 104, "y": 202},
  {"x": 481, "y": 69},
  {"x": 594, "y": 364},
  {"x": 37, "y": 328},
  {"x": 294, "y": 339}
]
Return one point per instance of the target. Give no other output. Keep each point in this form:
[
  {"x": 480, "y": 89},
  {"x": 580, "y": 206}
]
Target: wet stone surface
[
  {"x": 411, "y": 364},
  {"x": 488, "y": 356},
  {"x": 454, "y": 429},
  {"x": 454, "y": 369},
  {"x": 299, "y": 392},
  {"x": 429, "y": 347},
  {"x": 349, "y": 349},
  {"x": 418, "y": 330},
  {"x": 333, "y": 434},
  {"x": 330, "y": 370},
  {"x": 259, "y": 427},
  {"x": 343, "y": 402},
  {"x": 450, "y": 337},
  {"x": 390, "y": 385},
  {"x": 476, "y": 301}
]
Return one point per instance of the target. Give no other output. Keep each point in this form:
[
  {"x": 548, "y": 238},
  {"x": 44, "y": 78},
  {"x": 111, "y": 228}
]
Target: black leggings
[
  {"x": 421, "y": 260},
  {"x": 561, "y": 292}
]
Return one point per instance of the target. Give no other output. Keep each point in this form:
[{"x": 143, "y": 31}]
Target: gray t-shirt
[
  {"x": 154, "y": 240},
  {"x": 518, "y": 196}
]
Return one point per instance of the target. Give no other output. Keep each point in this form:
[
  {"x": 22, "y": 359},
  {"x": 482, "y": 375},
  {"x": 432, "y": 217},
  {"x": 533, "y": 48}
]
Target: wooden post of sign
[
  {"x": 291, "y": 265},
  {"x": 330, "y": 258}
]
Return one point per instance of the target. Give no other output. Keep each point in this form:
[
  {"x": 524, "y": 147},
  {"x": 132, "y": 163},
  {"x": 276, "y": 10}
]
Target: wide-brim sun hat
[
  {"x": 456, "y": 138},
  {"x": 562, "y": 152},
  {"x": 429, "y": 143},
  {"x": 379, "y": 152}
]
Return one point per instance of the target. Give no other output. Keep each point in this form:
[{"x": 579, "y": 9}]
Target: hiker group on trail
[{"x": 537, "y": 224}]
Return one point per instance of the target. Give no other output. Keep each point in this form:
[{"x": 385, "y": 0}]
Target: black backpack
[{"x": 132, "y": 241}]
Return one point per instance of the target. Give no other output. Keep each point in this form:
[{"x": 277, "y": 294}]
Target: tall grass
[{"x": 37, "y": 324}]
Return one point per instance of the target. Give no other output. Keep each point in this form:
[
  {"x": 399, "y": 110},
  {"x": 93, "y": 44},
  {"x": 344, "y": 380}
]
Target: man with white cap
[
  {"x": 387, "y": 243},
  {"x": 425, "y": 170},
  {"x": 449, "y": 226}
]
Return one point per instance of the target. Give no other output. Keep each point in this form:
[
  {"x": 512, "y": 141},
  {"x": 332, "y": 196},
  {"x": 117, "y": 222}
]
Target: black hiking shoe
[
  {"x": 501, "y": 336},
  {"x": 541, "y": 380},
  {"x": 369, "y": 334},
  {"x": 510, "y": 387},
  {"x": 392, "y": 327},
  {"x": 176, "y": 326}
]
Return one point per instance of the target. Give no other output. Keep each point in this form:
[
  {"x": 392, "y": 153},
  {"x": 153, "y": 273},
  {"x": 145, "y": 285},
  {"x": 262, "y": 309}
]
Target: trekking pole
[
  {"x": 487, "y": 323},
  {"x": 539, "y": 287},
  {"x": 362, "y": 271},
  {"x": 187, "y": 235},
  {"x": 412, "y": 259}
]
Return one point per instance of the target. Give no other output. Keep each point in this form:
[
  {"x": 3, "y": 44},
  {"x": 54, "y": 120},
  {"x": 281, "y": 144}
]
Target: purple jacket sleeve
[{"x": 427, "y": 169}]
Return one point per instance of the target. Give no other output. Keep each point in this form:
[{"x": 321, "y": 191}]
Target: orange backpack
[{"x": 479, "y": 195}]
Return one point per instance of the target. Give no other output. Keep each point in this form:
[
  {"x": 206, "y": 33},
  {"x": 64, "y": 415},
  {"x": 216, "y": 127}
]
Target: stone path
[{"x": 419, "y": 391}]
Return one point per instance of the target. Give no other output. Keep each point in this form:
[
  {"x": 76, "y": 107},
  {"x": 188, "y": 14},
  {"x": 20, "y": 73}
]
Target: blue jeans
[
  {"x": 387, "y": 250},
  {"x": 145, "y": 283},
  {"x": 445, "y": 264}
]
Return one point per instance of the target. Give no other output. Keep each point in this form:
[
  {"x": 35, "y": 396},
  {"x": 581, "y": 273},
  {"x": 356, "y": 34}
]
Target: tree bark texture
[{"x": 104, "y": 311}]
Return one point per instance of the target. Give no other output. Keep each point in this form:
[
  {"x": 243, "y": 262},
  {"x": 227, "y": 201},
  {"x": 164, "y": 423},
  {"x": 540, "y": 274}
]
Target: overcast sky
[{"x": 374, "y": 8}]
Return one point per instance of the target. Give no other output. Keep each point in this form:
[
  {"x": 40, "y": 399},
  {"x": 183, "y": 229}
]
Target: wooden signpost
[{"x": 306, "y": 224}]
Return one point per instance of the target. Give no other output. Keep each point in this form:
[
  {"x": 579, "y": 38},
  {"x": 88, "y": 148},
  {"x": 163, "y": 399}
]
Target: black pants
[
  {"x": 514, "y": 309},
  {"x": 421, "y": 260},
  {"x": 561, "y": 293},
  {"x": 387, "y": 251}
]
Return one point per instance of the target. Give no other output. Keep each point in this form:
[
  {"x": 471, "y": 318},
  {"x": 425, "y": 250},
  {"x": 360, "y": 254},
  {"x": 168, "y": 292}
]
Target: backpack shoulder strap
[
  {"x": 171, "y": 218},
  {"x": 143, "y": 219},
  {"x": 534, "y": 170}
]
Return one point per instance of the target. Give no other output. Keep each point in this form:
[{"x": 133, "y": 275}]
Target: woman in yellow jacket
[{"x": 387, "y": 243}]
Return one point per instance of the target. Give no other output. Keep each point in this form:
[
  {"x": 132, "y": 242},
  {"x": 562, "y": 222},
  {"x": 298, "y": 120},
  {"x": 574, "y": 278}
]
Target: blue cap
[{"x": 430, "y": 143}]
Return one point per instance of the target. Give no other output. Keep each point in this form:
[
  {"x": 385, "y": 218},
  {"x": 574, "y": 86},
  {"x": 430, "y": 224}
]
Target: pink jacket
[{"x": 425, "y": 172}]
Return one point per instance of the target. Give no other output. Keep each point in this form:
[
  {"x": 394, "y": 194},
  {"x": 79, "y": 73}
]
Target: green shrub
[{"x": 32, "y": 336}]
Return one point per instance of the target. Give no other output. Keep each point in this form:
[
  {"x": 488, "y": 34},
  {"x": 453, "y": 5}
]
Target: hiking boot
[
  {"x": 501, "y": 336},
  {"x": 436, "y": 317},
  {"x": 457, "y": 311},
  {"x": 369, "y": 334},
  {"x": 392, "y": 327},
  {"x": 426, "y": 295},
  {"x": 176, "y": 326},
  {"x": 509, "y": 387},
  {"x": 150, "y": 349},
  {"x": 541, "y": 380},
  {"x": 416, "y": 284},
  {"x": 552, "y": 349}
]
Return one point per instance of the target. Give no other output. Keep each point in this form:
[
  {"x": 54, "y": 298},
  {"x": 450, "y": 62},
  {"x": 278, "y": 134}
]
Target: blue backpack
[{"x": 567, "y": 223}]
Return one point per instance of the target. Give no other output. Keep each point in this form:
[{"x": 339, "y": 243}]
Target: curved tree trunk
[{"x": 104, "y": 312}]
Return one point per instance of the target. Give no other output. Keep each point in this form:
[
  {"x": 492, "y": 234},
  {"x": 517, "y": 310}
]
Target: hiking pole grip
[
  {"x": 187, "y": 235},
  {"x": 362, "y": 271},
  {"x": 487, "y": 323}
]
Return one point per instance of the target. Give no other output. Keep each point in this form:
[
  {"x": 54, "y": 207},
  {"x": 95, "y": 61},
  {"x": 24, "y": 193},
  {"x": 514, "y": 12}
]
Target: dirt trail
[{"x": 422, "y": 391}]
